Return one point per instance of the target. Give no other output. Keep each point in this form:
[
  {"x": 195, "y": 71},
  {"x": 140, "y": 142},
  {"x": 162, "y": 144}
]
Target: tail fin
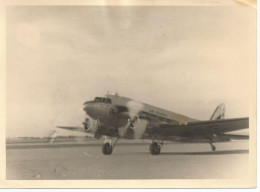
[{"x": 219, "y": 112}]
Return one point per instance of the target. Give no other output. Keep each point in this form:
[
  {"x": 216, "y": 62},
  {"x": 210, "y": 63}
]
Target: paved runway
[{"x": 83, "y": 159}]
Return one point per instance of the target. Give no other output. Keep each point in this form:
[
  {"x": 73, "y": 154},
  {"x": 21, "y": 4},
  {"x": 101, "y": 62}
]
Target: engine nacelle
[
  {"x": 86, "y": 124},
  {"x": 133, "y": 122}
]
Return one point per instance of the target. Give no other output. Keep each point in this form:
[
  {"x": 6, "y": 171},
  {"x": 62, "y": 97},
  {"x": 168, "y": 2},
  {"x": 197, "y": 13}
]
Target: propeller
[
  {"x": 133, "y": 122},
  {"x": 136, "y": 126},
  {"x": 140, "y": 128}
]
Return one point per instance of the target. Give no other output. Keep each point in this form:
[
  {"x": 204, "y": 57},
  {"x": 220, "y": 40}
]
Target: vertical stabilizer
[{"x": 219, "y": 112}]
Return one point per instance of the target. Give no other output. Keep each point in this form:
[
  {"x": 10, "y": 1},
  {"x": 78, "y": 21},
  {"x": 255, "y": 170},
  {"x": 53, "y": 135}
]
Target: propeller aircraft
[{"x": 114, "y": 117}]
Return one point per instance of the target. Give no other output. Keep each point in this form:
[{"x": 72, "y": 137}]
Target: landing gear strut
[
  {"x": 108, "y": 146},
  {"x": 155, "y": 148},
  {"x": 213, "y": 147}
]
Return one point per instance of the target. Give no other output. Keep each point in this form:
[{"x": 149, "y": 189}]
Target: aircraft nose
[
  {"x": 89, "y": 108},
  {"x": 86, "y": 107}
]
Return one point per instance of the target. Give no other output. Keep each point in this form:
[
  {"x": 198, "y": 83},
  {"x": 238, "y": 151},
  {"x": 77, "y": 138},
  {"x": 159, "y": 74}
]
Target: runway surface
[{"x": 83, "y": 159}]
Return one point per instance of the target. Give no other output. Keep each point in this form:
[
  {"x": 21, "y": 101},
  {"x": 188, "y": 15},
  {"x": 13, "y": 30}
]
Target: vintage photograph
[{"x": 130, "y": 92}]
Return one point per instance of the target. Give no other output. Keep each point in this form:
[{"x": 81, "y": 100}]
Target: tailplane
[{"x": 219, "y": 112}]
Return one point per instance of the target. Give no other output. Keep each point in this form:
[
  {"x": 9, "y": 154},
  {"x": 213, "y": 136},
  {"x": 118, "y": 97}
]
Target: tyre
[
  {"x": 155, "y": 148},
  {"x": 107, "y": 149}
]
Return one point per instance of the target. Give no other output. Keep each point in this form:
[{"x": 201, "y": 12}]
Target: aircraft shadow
[{"x": 226, "y": 152}]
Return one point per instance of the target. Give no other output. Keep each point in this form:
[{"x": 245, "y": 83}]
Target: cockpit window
[
  {"x": 98, "y": 99},
  {"x": 103, "y": 99}
]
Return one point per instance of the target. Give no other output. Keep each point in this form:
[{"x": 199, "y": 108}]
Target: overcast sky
[{"x": 183, "y": 59}]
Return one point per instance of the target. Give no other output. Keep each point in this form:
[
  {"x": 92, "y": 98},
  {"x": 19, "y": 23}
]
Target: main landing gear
[
  {"x": 213, "y": 147},
  {"x": 108, "y": 146},
  {"x": 107, "y": 149},
  {"x": 155, "y": 148}
]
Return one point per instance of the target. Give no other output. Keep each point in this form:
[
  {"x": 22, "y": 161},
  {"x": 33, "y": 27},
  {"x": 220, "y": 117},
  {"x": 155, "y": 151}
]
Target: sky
[{"x": 183, "y": 59}]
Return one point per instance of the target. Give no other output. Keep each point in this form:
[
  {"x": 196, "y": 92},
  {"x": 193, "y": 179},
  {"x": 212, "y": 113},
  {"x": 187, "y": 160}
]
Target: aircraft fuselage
[
  {"x": 106, "y": 114},
  {"x": 115, "y": 112}
]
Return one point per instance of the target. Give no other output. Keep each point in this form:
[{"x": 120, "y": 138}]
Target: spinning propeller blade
[{"x": 136, "y": 127}]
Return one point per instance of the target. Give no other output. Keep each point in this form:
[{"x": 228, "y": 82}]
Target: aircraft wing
[
  {"x": 204, "y": 128},
  {"x": 236, "y": 137},
  {"x": 76, "y": 129}
]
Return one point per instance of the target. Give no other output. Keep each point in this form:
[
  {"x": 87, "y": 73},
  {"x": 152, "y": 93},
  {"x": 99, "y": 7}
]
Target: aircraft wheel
[
  {"x": 107, "y": 149},
  {"x": 213, "y": 148},
  {"x": 155, "y": 148}
]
